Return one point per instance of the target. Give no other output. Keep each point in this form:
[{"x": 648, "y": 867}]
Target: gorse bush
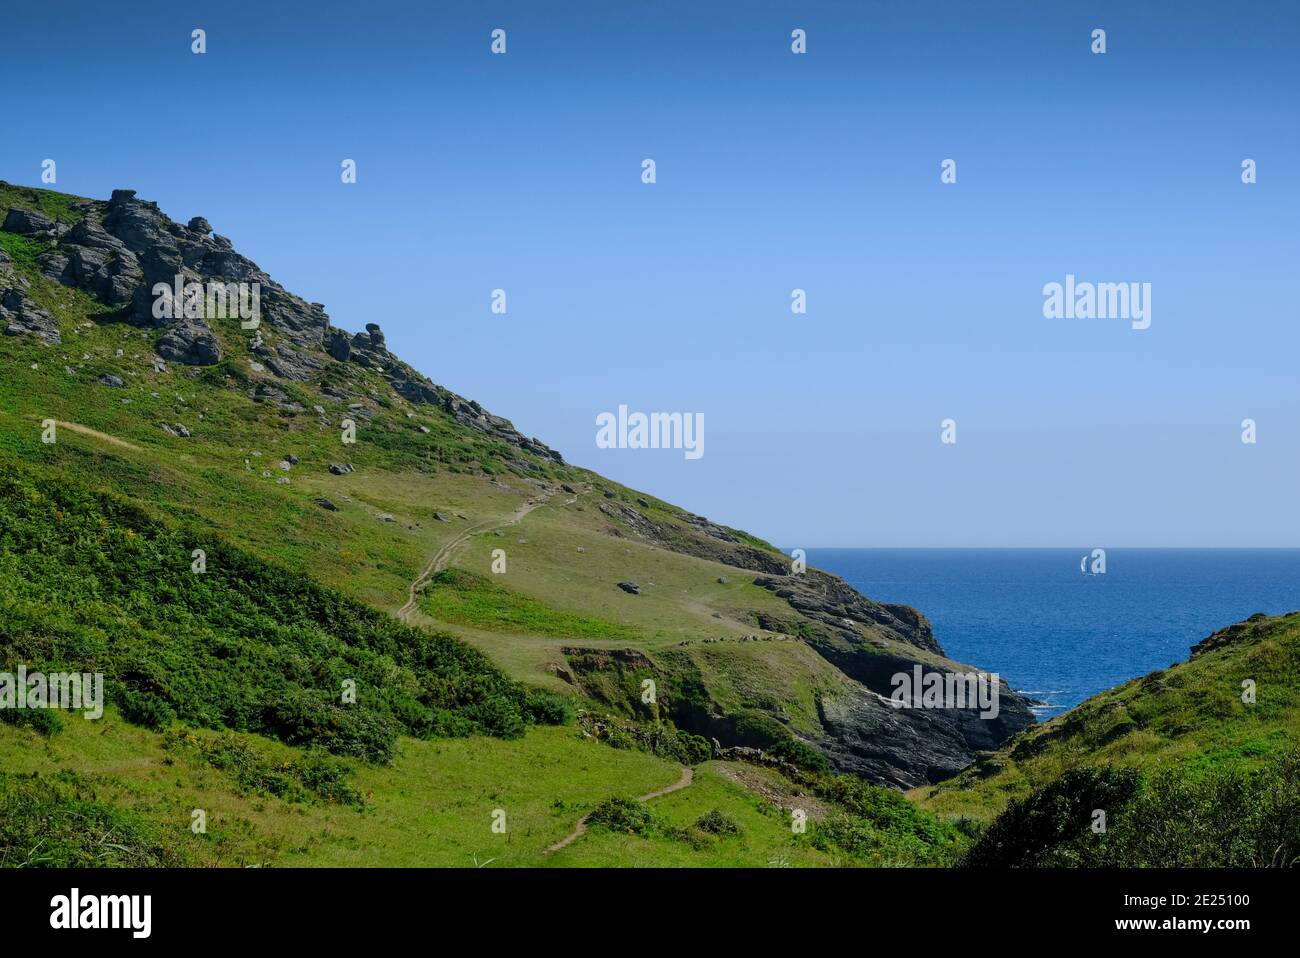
[
  {"x": 1226, "y": 818},
  {"x": 1032, "y": 830},
  {"x": 879, "y": 826},
  {"x": 624, "y": 815},
  {"x": 91, "y": 583},
  {"x": 717, "y": 822},
  {"x": 315, "y": 774},
  {"x": 58, "y": 821}
]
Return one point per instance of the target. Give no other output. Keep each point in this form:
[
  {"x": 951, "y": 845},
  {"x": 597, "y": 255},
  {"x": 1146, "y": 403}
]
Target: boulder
[
  {"x": 338, "y": 345},
  {"x": 191, "y": 343},
  {"x": 28, "y": 223},
  {"x": 24, "y": 316}
]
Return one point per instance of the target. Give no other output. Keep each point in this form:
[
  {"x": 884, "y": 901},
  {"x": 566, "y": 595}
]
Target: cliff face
[{"x": 120, "y": 252}]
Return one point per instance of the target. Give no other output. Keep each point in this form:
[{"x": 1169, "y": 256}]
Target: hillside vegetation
[
  {"x": 1194, "y": 765},
  {"x": 179, "y": 510},
  {"x": 309, "y": 645}
]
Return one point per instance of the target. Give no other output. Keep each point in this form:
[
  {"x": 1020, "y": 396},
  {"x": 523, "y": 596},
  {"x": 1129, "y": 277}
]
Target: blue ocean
[{"x": 1058, "y": 634}]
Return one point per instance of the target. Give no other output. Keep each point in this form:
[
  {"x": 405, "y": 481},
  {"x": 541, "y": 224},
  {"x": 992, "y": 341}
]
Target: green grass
[
  {"x": 1190, "y": 716},
  {"x": 239, "y": 645},
  {"x": 22, "y": 249},
  {"x": 432, "y": 806},
  {"x": 57, "y": 206},
  {"x": 454, "y": 595},
  {"x": 231, "y": 679}
]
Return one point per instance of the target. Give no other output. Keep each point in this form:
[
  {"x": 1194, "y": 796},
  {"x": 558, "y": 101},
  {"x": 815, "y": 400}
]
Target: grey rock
[
  {"x": 108, "y": 379},
  {"x": 191, "y": 343},
  {"x": 22, "y": 316},
  {"x": 54, "y": 265},
  {"x": 338, "y": 345},
  {"x": 28, "y": 223}
]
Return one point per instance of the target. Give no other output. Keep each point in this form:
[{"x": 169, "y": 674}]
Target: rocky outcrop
[
  {"x": 906, "y": 747},
  {"x": 21, "y": 316},
  {"x": 832, "y": 601},
  {"x": 686, "y": 539},
  {"x": 190, "y": 343},
  {"x": 121, "y": 249}
]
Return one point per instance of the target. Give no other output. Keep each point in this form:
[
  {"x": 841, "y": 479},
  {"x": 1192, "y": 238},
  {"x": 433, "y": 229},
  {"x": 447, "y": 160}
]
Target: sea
[{"x": 1055, "y": 627}]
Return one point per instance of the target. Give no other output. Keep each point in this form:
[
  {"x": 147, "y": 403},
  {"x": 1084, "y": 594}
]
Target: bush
[
  {"x": 57, "y": 821},
  {"x": 317, "y": 773},
  {"x": 716, "y": 822},
  {"x": 144, "y": 708},
  {"x": 1178, "y": 818},
  {"x": 1031, "y": 831},
  {"x": 547, "y": 708},
  {"x": 44, "y": 721},
  {"x": 245, "y": 646},
  {"x": 1224, "y": 819},
  {"x": 623, "y": 815}
]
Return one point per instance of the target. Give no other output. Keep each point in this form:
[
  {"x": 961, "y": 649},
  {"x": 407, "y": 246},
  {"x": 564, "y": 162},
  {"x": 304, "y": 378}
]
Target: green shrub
[
  {"x": 143, "y": 707},
  {"x": 623, "y": 815},
  {"x": 58, "y": 821},
  {"x": 44, "y": 721},
  {"x": 547, "y": 708},
  {"x": 1177, "y": 818},
  {"x": 716, "y": 822},
  {"x": 245, "y": 646}
]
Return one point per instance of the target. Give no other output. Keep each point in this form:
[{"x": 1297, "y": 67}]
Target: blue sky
[{"x": 775, "y": 171}]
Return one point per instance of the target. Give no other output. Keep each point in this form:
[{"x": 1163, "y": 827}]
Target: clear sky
[{"x": 775, "y": 171}]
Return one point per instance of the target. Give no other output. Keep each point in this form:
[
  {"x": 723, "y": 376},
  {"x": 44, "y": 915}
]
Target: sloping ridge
[{"x": 120, "y": 250}]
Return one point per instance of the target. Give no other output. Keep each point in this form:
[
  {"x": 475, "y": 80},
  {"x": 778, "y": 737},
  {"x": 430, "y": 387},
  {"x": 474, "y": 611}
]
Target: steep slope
[
  {"x": 240, "y": 434},
  {"x": 1232, "y": 708}
]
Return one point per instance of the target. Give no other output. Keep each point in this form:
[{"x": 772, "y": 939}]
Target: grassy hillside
[
  {"x": 327, "y": 563},
  {"x": 486, "y": 695},
  {"x": 1188, "y": 767}
]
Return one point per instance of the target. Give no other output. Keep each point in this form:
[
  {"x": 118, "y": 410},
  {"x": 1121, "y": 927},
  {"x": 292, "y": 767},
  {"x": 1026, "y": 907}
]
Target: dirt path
[
  {"x": 688, "y": 776},
  {"x": 443, "y": 555},
  {"x": 96, "y": 434}
]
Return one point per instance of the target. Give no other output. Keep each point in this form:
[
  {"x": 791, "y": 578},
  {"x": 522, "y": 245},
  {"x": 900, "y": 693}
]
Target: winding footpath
[
  {"x": 443, "y": 555},
  {"x": 688, "y": 776}
]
